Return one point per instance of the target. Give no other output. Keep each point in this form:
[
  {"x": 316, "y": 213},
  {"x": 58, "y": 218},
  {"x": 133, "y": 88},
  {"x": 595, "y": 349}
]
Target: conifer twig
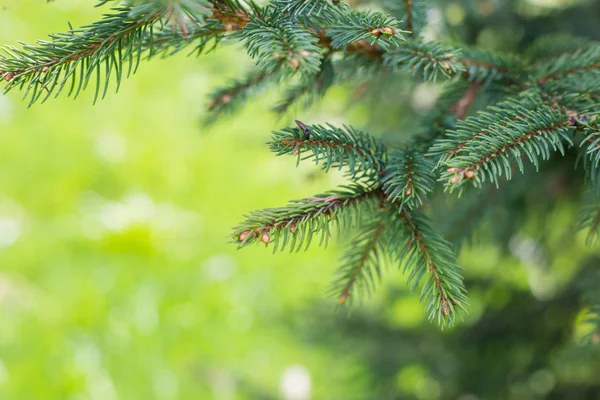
[
  {"x": 428, "y": 253},
  {"x": 295, "y": 224},
  {"x": 47, "y": 66},
  {"x": 361, "y": 265},
  {"x": 333, "y": 147}
]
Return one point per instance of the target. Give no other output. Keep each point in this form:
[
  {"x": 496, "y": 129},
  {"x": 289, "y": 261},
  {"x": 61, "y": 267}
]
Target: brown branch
[
  {"x": 462, "y": 106},
  {"x": 408, "y": 6}
]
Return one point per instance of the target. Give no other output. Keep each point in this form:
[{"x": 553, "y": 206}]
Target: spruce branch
[
  {"x": 370, "y": 27},
  {"x": 485, "y": 66},
  {"x": 425, "y": 252},
  {"x": 295, "y": 224},
  {"x": 586, "y": 61},
  {"x": 536, "y": 133},
  {"x": 431, "y": 59},
  {"x": 333, "y": 147},
  {"x": 80, "y": 54},
  {"x": 473, "y": 128},
  {"x": 361, "y": 265},
  {"x": 280, "y": 45},
  {"x": 409, "y": 177},
  {"x": 426, "y": 59},
  {"x": 326, "y": 9},
  {"x": 115, "y": 45},
  {"x": 167, "y": 42}
]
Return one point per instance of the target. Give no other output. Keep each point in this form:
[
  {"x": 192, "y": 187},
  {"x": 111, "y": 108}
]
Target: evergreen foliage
[{"x": 497, "y": 109}]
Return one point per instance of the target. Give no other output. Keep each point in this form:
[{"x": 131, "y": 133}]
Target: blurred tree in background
[{"x": 116, "y": 281}]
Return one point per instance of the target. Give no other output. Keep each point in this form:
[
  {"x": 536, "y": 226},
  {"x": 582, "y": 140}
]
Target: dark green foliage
[
  {"x": 294, "y": 225},
  {"x": 281, "y": 45},
  {"x": 333, "y": 148},
  {"x": 375, "y": 28},
  {"x": 536, "y": 135},
  {"x": 582, "y": 62},
  {"x": 80, "y": 55},
  {"x": 306, "y": 8},
  {"x": 424, "y": 252},
  {"x": 426, "y": 59},
  {"x": 409, "y": 178},
  {"x": 485, "y": 66},
  {"x": 496, "y": 110},
  {"x": 361, "y": 267}
]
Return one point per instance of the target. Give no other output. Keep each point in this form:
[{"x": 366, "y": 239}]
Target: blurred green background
[{"x": 117, "y": 281}]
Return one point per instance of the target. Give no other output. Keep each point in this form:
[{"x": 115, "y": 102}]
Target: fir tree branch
[
  {"x": 536, "y": 134},
  {"x": 428, "y": 59},
  {"x": 309, "y": 8},
  {"x": 428, "y": 253},
  {"x": 432, "y": 59},
  {"x": 362, "y": 262},
  {"x": 473, "y": 128},
  {"x": 334, "y": 147},
  {"x": 485, "y": 66},
  {"x": 281, "y": 45},
  {"x": 46, "y": 67},
  {"x": 356, "y": 27},
  {"x": 409, "y": 178},
  {"x": 582, "y": 61},
  {"x": 295, "y": 224}
]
